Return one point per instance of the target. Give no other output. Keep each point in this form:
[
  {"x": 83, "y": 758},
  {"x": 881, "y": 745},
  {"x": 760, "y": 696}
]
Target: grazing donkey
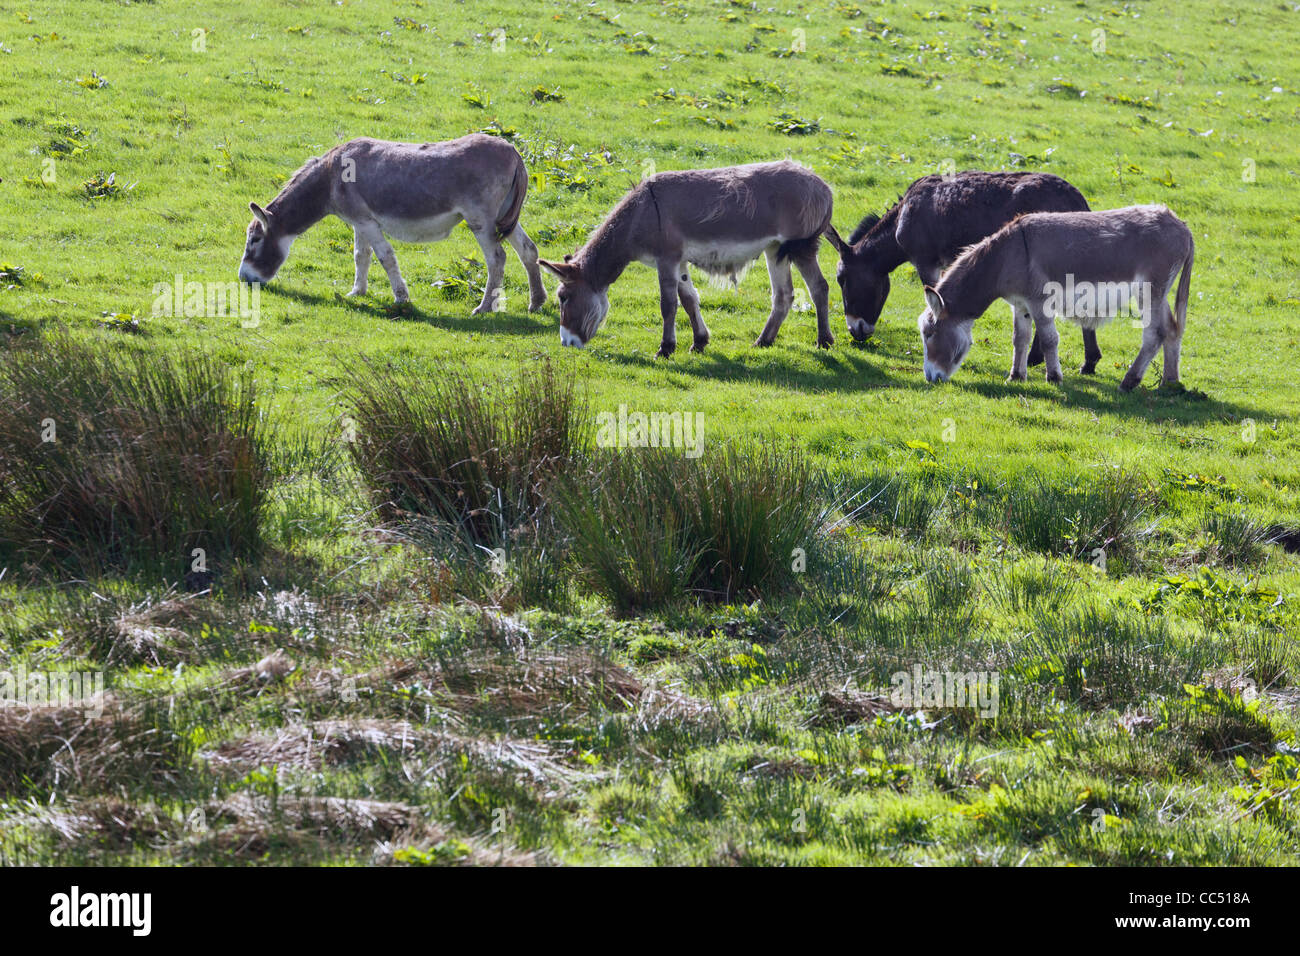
[
  {"x": 930, "y": 225},
  {"x": 717, "y": 219},
  {"x": 415, "y": 192},
  {"x": 1087, "y": 266}
]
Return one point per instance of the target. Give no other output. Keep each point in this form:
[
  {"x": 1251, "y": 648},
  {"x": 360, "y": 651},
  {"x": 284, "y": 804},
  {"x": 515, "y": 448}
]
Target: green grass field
[{"x": 348, "y": 695}]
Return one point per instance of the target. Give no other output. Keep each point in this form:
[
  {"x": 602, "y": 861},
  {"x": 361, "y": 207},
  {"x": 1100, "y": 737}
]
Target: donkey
[
  {"x": 719, "y": 220},
  {"x": 1088, "y": 266},
  {"x": 930, "y": 225},
  {"x": 415, "y": 192}
]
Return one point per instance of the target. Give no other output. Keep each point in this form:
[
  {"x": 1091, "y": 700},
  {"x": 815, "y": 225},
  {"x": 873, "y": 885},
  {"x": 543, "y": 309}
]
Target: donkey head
[
  {"x": 583, "y": 306},
  {"x": 946, "y": 338},
  {"x": 864, "y": 285},
  {"x": 266, "y": 248}
]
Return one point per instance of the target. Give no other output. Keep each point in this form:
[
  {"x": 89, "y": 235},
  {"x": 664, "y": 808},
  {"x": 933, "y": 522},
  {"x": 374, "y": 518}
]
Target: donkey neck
[
  {"x": 305, "y": 198},
  {"x": 881, "y": 243},
  {"x": 614, "y": 244},
  {"x": 987, "y": 272}
]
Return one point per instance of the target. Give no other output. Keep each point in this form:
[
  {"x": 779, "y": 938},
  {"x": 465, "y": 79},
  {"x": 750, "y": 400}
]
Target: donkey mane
[
  {"x": 302, "y": 200},
  {"x": 601, "y": 259},
  {"x": 973, "y": 255},
  {"x": 862, "y": 228}
]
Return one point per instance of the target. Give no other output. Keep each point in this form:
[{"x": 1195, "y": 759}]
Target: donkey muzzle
[
  {"x": 860, "y": 329},
  {"x": 571, "y": 338},
  {"x": 933, "y": 375}
]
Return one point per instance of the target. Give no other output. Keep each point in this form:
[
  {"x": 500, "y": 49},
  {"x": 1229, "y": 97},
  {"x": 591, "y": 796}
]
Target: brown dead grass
[
  {"x": 59, "y": 748},
  {"x": 842, "y": 708},
  {"x": 249, "y": 828},
  {"x": 331, "y": 743},
  {"x": 106, "y": 823}
]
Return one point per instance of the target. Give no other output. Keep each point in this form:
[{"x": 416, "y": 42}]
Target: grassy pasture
[{"x": 358, "y": 689}]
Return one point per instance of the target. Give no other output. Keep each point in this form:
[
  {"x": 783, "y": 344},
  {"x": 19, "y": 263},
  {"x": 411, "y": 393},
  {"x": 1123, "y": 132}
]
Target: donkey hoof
[
  {"x": 763, "y": 342},
  {"x": 698, "y": 344},
  {"x": 1127, "y": 386},
  {"x": 536, "y": 304},
  {"x": 1055, "y": 379},
  {"x": 1088, "y": 368},
  {"x": 666, "y": 350},
  {"x": 825, "y": 341},
  {"x": 354, "y": 292},
  {"x": 1018, "y": 377}
]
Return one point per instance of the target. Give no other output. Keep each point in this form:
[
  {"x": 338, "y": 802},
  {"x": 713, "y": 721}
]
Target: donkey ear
[
  {"x": 564, "y": 270},
  {"x": 261, "y": 215},
  {"x": 935, "y": 301},
  {"x": 840, "y": 245}
]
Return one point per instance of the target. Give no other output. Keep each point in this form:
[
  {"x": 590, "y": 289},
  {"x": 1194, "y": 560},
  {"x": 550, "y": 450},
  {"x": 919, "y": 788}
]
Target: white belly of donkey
[
  {"x": 431, "y": 229},
  {"x": 726, "y": 261},
  {"x": 1093, "y": 304}
]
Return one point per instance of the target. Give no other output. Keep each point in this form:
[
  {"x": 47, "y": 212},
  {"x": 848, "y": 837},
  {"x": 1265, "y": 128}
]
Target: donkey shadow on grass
[
  {"x": 837, "y": 370},
  {"x": 849, "y": 370},
  {"x": 1180, "y": 404},
  {"x": 497, "y": 323}
]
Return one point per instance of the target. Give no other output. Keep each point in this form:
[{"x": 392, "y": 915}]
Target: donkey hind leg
[
  {"x": 1035, "y": 347},
  {"x": 527, "y": 253},
  {"x": 1173, "y": 345},
  {"x": 1022, "y": 331},
  {"x": 819, "y": 289},
  {"x": 1050, "y": 341},
  {"x": 361, "y": 259},
  {"x": 494, "y": 296},
  {"x": 1156, "y": 327},
  {"x": 1091, "y": 353},
  {"x": 778, "y": 271},
  {"x": 691, "y": 302},
  {"x": 374, "y": 237}
]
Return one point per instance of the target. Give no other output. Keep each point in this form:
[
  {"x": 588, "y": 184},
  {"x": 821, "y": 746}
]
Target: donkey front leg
[
  {"x": 691, "y": 301},
  {"x": 361, "y": 259},
  {"x": 495, "y": 257},
  {"x": 373, "y": 236},
  {"x": 668, "y": 279},
  {"x": 819, "y": 289},
  {"x": 1022, "y": 330},
  {"x": 527, "y": 253},
  {"x": 778, "y": 271}
]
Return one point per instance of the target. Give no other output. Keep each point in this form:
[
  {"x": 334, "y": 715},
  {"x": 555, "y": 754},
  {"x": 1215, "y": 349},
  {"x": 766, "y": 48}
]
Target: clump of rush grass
[
  {"x": 649, "y": 526},
  {"x": 466, "y": 453},
  {"x": 1023, "y": 588},
  {"x": 1232, "y": 538},
  {"x": 462, "y": 467},
  {"x": 901, "y": 502},
  {"x": 1103, "y": 519},
  {"x": 112, "y": 458}
]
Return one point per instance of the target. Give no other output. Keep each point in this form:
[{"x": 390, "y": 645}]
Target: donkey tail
[
  {"x": 805, "y": 248},
  {"x": 508, "y": 217},
  {"x": 1184, "y": 287},
  {"x": 796, "y": 249}
]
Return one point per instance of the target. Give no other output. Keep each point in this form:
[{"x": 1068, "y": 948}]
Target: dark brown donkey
[{"x": 936, "y": 219}]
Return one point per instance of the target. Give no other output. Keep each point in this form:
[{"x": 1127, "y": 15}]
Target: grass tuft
[{"x": 110, "y": 458}]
